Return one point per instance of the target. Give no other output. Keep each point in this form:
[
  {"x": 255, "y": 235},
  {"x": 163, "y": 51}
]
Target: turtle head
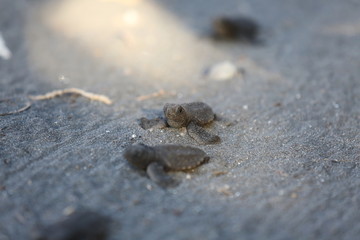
[
  {"x": 139, "y": 155},
  {"x": 175, "y": 115},
  {"x": 224, "y": 28}
]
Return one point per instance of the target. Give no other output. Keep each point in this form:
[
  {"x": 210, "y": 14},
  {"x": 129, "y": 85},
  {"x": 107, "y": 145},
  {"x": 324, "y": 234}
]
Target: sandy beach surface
[{"x": 289, "y": 119}]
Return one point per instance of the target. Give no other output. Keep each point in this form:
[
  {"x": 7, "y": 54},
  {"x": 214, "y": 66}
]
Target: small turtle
[
  {"x": 238, "y": 28},
  {"x": 85, "y": 224},
  {"x": 193, "y": 116},
  {"x": 161, "y": 158}
]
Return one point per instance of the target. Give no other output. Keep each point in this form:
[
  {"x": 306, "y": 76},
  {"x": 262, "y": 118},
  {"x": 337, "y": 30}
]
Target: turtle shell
[
  {"x": 177, "y": 157},
  {"x": 199, "y": 112}
]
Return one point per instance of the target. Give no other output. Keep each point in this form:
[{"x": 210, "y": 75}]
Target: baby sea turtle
[
  {"x": 193, "y": 116},
  {"x": 235, "y": 28},
  {"x": 84, "y": 224},
  {"x": 161, "y": 158}
]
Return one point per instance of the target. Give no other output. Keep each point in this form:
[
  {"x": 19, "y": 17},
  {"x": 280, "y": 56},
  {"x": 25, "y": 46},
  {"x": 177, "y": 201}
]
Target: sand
[{"x": 288, "y": 163}]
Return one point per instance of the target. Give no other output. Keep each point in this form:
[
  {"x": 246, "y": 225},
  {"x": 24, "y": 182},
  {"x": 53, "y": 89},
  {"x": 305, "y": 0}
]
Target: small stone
[
  {"x": 177, "y": 212},
  {"x": 335, "y": 105},
  {"x": 293, "y": 195},
  {"x": 219, "y": 173},
  {"x": 63, "y": 79},
  {"x": 68, "y": 210},
  {"x": 225, "y": 190},
  {"x": 223, "y": 71},
  {"x": 4, "y": 50},
  {"x": 6, "y": 161}
]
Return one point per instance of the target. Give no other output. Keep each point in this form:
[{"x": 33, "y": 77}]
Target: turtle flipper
[
  {"x": 201, "y": 135},
  {"x": 152, "y": 123},
  {"x": 157, "y": 173}
]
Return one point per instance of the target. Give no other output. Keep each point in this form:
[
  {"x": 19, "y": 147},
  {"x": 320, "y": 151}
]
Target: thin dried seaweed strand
[
  {"x": 57, "y": 93},
  {"x": 27, "y": 106}
]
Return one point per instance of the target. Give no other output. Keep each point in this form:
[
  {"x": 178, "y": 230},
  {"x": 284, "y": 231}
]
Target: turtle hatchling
[
  {"x": 236, "y": 28},
  {"x": 193, "y": 116},
  {"x": 157, "y": 160},
  {"x": 82, "y": 224}
]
